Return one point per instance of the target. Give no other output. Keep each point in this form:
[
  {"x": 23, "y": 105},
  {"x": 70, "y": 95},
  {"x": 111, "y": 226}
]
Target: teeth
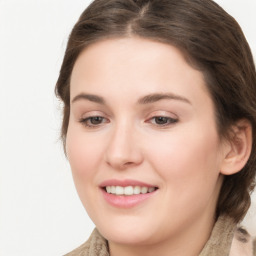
[
  {"x": 151, "y": 189},
  {"x": 108, "y": 188},
  {"x": 129, "y": 190},
  {"x": 119, "y": 190},
  {"x": 112, "y": 189},
  {"x": 136, "y": 190},
  {"x": 144, "y": 190}
]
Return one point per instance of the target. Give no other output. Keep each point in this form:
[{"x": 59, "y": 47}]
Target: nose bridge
[{"x": 123, "y": 149}]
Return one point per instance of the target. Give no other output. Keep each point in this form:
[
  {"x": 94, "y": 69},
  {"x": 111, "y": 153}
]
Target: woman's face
[{"x": 142, "y": 126}]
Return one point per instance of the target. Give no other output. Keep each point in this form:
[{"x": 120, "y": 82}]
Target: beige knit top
[{"x": 226, "y": 240}]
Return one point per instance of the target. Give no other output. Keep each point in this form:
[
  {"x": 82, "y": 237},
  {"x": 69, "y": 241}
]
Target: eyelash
[
  {"x": 166, "y": 121},
  {"x": 88, "y": 121}
]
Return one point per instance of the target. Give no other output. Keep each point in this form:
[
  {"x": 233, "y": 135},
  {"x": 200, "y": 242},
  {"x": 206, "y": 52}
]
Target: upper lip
[{"x": 125, "y": 183}]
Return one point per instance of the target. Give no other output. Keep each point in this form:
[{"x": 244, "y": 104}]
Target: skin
[
  {"x": 183, "y": 157},
  {"x": 241, "y": 248}
]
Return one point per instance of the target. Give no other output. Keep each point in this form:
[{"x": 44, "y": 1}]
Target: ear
[{"x": 238, "y": 148}]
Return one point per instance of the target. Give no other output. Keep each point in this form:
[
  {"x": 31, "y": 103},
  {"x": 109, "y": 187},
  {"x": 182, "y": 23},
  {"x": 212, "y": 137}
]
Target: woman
[{"x": 159, "y": 127}]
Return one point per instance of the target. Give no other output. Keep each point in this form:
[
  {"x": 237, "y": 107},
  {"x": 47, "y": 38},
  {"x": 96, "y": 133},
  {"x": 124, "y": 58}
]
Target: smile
[
  {"x": 129, "y": 190},
  {"x": 127, "y": 193}
]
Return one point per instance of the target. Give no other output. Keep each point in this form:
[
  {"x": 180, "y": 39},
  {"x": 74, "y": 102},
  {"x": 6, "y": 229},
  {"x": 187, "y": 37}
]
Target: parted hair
[{"x": 210, "y": 40}]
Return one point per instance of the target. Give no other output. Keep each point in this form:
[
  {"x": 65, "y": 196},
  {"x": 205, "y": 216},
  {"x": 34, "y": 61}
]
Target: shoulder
[
  {"x": 96, "y": 245},
  {"x": 229, "y": 239},
  {"x": 242, "y": 243}
]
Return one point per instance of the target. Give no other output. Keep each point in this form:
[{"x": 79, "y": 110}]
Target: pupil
[
  {"x": 96, "y": 120},
  {"x": 161, "y": 120}
]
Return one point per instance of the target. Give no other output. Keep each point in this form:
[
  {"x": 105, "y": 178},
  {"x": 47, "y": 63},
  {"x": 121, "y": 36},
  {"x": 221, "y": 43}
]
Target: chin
[
  {"x": 131, "y": 238},
  {"x": 128, "y": 233}
]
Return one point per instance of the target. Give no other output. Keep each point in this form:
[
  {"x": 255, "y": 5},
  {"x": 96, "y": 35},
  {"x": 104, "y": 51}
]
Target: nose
[{"x": 123, "y": 150}]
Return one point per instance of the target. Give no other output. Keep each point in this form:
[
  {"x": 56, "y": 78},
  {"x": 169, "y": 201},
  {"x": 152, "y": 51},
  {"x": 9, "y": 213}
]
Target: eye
[
  {"x": 93, "y": 121},
  {"x": 163, "y": 120}
]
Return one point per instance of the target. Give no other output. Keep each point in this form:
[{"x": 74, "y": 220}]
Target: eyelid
[
  {"x": 92, "y": 114},
  {"x": 163, "y": 114}
]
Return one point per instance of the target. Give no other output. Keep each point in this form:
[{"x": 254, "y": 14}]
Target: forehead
[
  {"x": 140, "y": 65},
  {"x": 128, "y": 50}
]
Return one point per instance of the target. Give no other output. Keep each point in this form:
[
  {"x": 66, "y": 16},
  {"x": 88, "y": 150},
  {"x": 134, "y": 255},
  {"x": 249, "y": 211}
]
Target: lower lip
[{"x": 126, "y": 201}]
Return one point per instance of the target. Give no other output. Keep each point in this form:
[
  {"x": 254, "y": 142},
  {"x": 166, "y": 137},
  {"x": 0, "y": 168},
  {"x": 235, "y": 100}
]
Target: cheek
[
  {"x": 190, "y": 171},
  {"x": 84, "y": 156},
  {"x": 83, "y": 153},
  {"x": 187, "y": 159}
]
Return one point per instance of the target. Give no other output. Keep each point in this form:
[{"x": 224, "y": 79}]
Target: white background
[{"x": 40, "y": 211}]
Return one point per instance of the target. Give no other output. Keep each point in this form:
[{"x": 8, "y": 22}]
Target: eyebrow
[
  {"x": 89, "y": 97},
  {"x": 148, "y": 99},
  {"x": 154, "y": 97}
]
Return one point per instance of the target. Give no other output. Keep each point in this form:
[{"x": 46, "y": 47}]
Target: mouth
[
  {"x": 127, "y": 193},
  {"x": 129, "y": 190}
]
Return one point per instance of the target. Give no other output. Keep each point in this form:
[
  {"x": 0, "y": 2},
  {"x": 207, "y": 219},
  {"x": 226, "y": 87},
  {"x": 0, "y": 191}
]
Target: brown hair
[{"x": 211, "y": 41}]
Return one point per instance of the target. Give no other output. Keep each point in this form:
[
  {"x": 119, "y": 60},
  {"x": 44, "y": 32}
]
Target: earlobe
[{"x": 238, "y": 148}]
